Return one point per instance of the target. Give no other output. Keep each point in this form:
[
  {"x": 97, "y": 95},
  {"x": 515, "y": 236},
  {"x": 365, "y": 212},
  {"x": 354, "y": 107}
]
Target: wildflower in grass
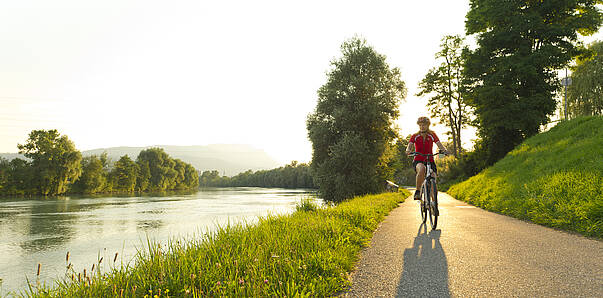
[
  {"x": 241, "y": 282},
  {"x": 115, "y": 258},
  {"x": 219, "y": 283},
  {"x": 265, "y": 281}
]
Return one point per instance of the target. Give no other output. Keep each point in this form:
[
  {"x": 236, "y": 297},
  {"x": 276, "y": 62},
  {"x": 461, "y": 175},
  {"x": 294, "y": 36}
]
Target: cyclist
[{"x": 422, "y": 142}]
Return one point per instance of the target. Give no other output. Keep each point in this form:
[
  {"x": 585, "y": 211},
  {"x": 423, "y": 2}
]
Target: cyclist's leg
[
  {"x": 420, "y": 169},
  {"x": 434, "y": 174}
]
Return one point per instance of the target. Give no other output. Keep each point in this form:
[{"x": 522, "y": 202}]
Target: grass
[
  {"x": 553, "y": 179},
  {"x": 307, "y": 253}
]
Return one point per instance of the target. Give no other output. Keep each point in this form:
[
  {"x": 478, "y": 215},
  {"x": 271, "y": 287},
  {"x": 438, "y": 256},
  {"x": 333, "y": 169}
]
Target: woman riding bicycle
[{"x": 422, "y": 142}]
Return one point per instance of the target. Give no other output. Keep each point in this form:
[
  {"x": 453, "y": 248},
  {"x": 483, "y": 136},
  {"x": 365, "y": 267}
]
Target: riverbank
[
  {"x": 309, "y": 252},
  {"x": 43, "y": 230}
]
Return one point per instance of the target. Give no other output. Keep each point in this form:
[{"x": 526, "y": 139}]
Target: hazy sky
[{"x": 141, "y": 73}]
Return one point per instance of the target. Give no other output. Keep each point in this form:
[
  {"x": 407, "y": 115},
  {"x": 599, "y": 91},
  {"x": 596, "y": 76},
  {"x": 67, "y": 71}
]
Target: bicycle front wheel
[
  {"x": 433, "y": 207},
  {"x": 424, "y": 206}
]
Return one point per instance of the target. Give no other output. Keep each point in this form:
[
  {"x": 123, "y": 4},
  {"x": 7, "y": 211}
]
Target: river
[{"x": 42, "y": 231}]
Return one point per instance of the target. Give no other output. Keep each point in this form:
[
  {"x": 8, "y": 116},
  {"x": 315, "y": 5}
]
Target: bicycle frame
[{"x": 429, "y": 189}]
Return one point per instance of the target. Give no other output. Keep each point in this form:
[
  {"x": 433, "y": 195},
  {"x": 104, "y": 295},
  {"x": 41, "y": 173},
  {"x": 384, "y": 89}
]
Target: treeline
[
  {"x": 294, "y": 175},
  {"x": 55, "y": 167}
]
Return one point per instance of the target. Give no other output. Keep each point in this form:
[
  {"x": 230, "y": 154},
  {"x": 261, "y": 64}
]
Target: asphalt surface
[{"x": 475, "y": 253}]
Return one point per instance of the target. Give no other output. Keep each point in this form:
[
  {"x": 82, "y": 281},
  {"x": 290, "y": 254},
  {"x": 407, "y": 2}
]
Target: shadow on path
[{"x": 425, "y": 267}]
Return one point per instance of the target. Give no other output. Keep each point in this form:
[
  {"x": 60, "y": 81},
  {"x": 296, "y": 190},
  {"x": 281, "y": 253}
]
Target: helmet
[{"x": 423, "y": 120}]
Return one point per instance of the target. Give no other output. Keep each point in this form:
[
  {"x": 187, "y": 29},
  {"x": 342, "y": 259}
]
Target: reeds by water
[{"x": 307, "y": 253}]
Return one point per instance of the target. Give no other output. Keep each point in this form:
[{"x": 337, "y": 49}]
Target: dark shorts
[{"x": 433, "y": 165}]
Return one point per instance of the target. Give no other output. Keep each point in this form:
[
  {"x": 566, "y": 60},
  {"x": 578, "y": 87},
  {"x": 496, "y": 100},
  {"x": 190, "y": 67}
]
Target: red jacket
[{"x": 424, "y": 145}]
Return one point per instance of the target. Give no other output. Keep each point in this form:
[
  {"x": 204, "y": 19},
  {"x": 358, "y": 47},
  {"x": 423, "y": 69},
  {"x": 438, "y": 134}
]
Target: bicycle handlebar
[{"x": 426, "y": 155}]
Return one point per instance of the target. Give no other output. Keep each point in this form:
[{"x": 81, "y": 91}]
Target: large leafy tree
[
  {"x": 54, "y": 159},
  {"x": 16, "y": 177},
  {"x": 124, "y": 174},
  {"x": 93, "y": 178},
  {"x": 351, "y": 128},
  {"x": 512, "y": 72},
  {"x": 444, "y": 85},
  {"x": 585, "y": 95}
]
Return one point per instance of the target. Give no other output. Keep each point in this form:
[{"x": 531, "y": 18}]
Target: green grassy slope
[{"x": 554, "y": 179}]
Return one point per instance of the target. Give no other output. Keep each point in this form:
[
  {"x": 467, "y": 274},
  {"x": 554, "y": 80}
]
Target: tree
[
  {"x": 143, "y": 176},
  {"x": 585, "y": 95},
  {"x": 4, "y": 174},
  {"x": 512, "y": 72},
  {"x": 93, "y": 178},
  {"x": 351, "y": 127},
  {"x": 157, "y": 171},
  {"x": 55, "y": 161},
  {"x": 401, "y": 163},
  {"x": 444, "y": 83},
  {"x": 160, "y": 165},
  {"x": 124, "y": 175}
]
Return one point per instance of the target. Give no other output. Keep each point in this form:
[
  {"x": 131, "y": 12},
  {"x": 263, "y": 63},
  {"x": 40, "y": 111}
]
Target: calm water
[{"x": 43, "y": 231}]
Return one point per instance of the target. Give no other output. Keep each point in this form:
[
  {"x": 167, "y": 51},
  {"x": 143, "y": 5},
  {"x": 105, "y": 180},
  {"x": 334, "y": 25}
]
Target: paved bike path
[{"x": 475, "y": 253}]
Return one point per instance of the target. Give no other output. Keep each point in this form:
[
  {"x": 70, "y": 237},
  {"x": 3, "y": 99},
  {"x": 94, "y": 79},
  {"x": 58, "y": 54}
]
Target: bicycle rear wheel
[{"x": 433, "y": 207}]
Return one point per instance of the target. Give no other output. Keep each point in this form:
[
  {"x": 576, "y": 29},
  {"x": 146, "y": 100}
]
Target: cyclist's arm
[
  {"x": 410, "y": 148},
  {"x": 442, "y": 148}
]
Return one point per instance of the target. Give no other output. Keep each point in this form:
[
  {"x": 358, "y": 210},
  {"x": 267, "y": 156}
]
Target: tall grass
[
  {"x": 554, "y": 179},
  {"x": 307, "y": 253}
]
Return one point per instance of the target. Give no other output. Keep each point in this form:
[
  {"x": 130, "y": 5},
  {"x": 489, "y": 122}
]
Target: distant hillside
[
  {"x": 227, "y": 159},
  {"x": 554, "y": 178}
]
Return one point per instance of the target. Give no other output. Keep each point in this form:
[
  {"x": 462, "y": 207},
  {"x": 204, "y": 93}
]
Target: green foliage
[
  {"x": 55, "y": 161},
  {"x": 306, "y": 205},
  {"x": 352, "y": 125},
  {"x": 401, "y": 164},
  {"x": 294, "y": 175},
  {"x": 306, "y": 254},
  {"x": 444, "y": 83},
  {"x": 16, "y": 177},
  {"x": 124, "y": 174},
  {"x": 56, "y": 167},
  {"x": 159, "y": 172},
  {"x": 554, "y": 178},
  {"x": 512, "y": 72},
  {"x": 585, "y": 95},
  {"x": 94, "y": 178}
]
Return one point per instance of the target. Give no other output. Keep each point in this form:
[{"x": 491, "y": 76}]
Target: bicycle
[{"x": 426, "y": 203}]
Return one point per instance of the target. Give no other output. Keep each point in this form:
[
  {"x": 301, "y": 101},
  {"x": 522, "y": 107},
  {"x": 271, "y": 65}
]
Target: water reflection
[{"x": 36, "y": 231}]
